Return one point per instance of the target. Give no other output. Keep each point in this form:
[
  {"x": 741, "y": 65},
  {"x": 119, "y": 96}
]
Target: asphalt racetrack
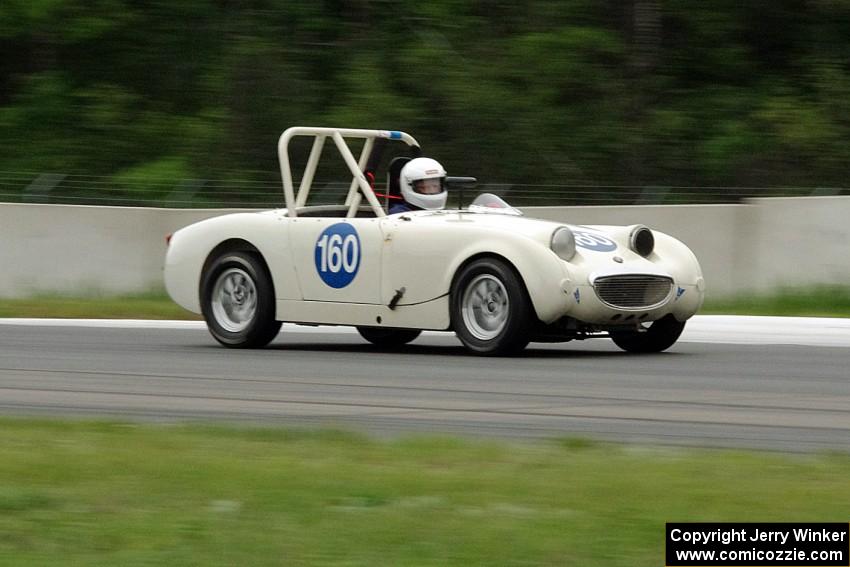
[{"x": 756, "y": 382}]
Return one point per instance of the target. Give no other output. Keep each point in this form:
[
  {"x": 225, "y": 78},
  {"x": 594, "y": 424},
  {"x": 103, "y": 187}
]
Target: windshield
[{"x": 489, "y": 203}]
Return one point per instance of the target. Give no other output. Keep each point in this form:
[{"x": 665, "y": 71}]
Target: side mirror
[{"x": 462, "y": 182}]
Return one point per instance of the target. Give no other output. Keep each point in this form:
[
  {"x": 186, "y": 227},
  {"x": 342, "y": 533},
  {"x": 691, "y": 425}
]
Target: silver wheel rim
[
  {"x": 485, "y": 307},
  {"x": 234, "y": 300}
]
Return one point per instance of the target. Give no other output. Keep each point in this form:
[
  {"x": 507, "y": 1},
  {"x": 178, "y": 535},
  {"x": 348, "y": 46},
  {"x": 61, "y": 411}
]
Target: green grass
[
  {"x": 819, "y": 301},
  {"x": 816, "y": 301},
  {"x": 151, "y": 305},
  {"x": 81, "y": 493}
]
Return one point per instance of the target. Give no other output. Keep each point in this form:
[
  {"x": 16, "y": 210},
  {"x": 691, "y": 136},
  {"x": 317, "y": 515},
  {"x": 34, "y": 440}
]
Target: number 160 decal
[{"x": 338, "y": 255}]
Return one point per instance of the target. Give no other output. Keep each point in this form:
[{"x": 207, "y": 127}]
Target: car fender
[
  {"x": 190, "y": 247},
  {"x": 424, "y": 260},
  {"x": 545, "y": 276}
]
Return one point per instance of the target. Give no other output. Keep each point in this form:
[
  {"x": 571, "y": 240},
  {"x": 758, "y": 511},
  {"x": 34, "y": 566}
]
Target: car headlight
[
  {"x": 563, "y": 243},
  {"x": 641, "y": 240}
]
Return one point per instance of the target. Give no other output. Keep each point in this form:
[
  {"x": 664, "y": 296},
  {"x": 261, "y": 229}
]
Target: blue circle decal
[
  {"x": 338, "y": 255},
  {"x": 594, "y": 241}
]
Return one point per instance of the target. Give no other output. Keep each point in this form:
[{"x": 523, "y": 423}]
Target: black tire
[
  {"x": 388, "y": 337},
  {"x": 660, "y": 336},
  {"x": 238, "y": 301},
  {"x": 491, "y": 312}
]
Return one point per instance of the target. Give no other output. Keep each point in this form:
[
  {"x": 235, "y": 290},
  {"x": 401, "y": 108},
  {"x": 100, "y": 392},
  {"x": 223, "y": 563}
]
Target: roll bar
[{"x": 359, "y": 184}]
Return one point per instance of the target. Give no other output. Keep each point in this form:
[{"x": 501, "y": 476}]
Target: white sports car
[{"x": 497, "y": 279}]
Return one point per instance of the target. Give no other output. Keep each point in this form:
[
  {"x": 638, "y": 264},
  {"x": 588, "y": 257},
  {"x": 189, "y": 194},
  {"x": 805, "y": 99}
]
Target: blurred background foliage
[{"x": 570, "y": 101}]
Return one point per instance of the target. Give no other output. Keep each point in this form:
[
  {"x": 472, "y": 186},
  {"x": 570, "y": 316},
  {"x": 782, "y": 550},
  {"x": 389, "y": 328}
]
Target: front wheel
[
  {"x": 388, "y": 337},
  {"x": 237, "y": 301},
  {"x": 659, "y": 336},
  {"x": 490, "y": 309}
]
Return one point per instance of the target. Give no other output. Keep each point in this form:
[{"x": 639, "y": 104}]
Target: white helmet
[{"x": 423, "y": 183}]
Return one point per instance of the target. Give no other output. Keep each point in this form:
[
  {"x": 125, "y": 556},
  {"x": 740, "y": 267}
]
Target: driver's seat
[{"x": 394, "y": 177}]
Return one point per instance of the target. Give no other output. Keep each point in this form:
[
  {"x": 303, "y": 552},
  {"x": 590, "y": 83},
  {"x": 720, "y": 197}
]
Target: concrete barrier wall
[
  {"x": 799, "y": 242},
  {"x": 81, "y": 250},
  {"x": 756, "y": 246}
]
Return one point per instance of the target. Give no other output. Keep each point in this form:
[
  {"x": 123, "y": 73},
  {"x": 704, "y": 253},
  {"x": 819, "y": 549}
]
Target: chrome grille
[{"x": 633, "y": 291}]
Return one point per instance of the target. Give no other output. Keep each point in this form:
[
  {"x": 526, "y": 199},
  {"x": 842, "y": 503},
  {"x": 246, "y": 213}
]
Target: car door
[
  {"x": 337, "y": 259},
  {"x": 417, "y": 252}
]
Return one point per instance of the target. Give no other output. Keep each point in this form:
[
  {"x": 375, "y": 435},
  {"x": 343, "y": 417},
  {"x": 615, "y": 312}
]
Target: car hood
[{"x": 536, "y": 229}]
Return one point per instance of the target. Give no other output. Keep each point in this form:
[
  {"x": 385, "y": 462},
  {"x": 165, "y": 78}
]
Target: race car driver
[{"x": 423, "y": 186}]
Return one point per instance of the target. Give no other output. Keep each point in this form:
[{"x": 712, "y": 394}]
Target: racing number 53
[{"x": 337, "y": 255}]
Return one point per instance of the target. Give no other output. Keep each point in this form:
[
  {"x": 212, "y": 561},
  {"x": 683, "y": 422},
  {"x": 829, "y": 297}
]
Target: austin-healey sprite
[{"x": 486, "y": 272}]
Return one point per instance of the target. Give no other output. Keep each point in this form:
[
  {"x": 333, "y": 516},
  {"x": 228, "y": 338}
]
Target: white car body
[{"x": 356, "y": 265}]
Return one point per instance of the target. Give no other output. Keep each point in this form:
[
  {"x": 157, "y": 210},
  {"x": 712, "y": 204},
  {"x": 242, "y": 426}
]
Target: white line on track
[
  {"x": 723, "y": 329},
  {"x": 803, "y": 331}
]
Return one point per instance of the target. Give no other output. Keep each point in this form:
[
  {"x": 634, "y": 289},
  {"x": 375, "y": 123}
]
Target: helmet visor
[{"x": 431, "y": 186}]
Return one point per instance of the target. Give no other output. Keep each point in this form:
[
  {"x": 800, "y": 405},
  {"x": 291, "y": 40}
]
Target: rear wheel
[
  {"x": 659, "y": 336},
  {"x": 237, "y": 301},
  {"x": 490, "y": 309},
  {"x": 388, "y": 337}
]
